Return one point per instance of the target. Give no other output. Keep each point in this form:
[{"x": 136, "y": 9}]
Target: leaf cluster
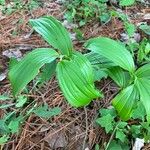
[
  {"x": 133, "y": 80},
  {"x": 82, "y": 11},
  {"x": 11, "y": 122},
  {"x": 9, "y": 8},
  {"x": 75, "y": 71},
  {"x": 122, "y": 133}
]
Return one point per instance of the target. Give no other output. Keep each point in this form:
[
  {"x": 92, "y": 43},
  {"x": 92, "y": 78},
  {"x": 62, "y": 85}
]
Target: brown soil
[{"x": 73, "y": 127}]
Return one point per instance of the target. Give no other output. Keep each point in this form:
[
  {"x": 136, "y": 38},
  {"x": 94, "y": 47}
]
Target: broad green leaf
[
  {"x": 136, "y": 130},
  {"x": 4, "y": 97},
  {"x": 125, "y": 101},
  {"x": 47, "y": 71},
  {"x": 110, "y": 111},
  {"x": 21, "y": 101},
  {"x": 115, "y": 146},
  {"x": 99, "y": 64},
  {"x": 119, "y": 76},
  {"x": 130, "y": 28},
  {"x": 99, "y": 74},
  {"x": 144, "y": 71},
  {"x": 106, "y": 122},
  {"x": 76, "y": 80},
  {"x": 126, "y": 2},
  {"x": 139, "y": 111},
  {"x": 14, "y": 124},
  {"x": 113, "y": 51},
  {"x": 118, "y": 145},
  {"x": 26, "y": 70},
  {"x": 142, "y": 52},
  {"x": 3, "y": 127},
  {"x": 4, "y": 139},
  {"x": 147, "y": 48},
  {"x": 99, "y": 60},
  {"x": 122, "y": 125},
  {"x": 45, "y": 112},
  {"x": 97, "y": 147},
  {"x": 145, "y": 28},
  {"x": 12, "y": 62},
  {"x": 143, "y": 86},
  {"x": 54, "y": 33},
  {"x": 120, "y": 135}
]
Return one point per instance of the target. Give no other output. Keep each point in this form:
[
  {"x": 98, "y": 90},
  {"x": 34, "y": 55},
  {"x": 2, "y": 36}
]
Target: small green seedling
[
  {"x": 12, "y": 121},
  {"x": 126, "y": 2},
  {"x": 123, "y": 134},
  {"x": 82, "y": 12}
]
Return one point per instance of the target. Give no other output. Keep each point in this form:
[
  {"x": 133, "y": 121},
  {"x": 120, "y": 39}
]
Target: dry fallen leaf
[
  {"x": 12, "y": 53},
  {"x": 3, "y": 76},
  {"x": 57, "y": 140}
]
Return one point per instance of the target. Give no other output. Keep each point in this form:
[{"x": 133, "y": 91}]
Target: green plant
[
  {"x": 73, "y": 70},
  {"x": 145, "y": 27},
  {"x": 133, "y": 80},
  {"x": 143, "y": 52},
  {"x": 15, "y": 115},
  {"x": 2, "y": 2},
  {"x": 18, "y": 5},
  {"x": 129, "y": 27},
  {"x": 126, "y": 2},
  {"x": 75, "y": 73},
  {"x": 82, "y": 11},
  {"x": 122, "y": 133},
  {"x": 118, "y": 129}
]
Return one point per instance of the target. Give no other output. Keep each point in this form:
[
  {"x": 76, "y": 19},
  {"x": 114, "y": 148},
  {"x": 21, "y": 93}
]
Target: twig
[
  {"x": 86, "y": 131},
  {"x": 111, "y": 137}
]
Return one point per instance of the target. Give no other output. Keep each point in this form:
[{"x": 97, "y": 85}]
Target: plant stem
[{"x": 112, "y": 135}]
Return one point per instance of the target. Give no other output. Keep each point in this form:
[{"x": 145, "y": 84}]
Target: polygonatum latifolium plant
[
  {"x": 73, "y": 70},
  {"x": 133, "y": 80},
  {"x": 75, "y": 73}
]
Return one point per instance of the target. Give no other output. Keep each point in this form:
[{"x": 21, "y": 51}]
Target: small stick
[{"x": 86, "y": 131}]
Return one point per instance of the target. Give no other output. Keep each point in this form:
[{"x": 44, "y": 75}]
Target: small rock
[
  {"x": 124, "y": 37},
  {"x": 139, "y": 143},
  {"x": 3, "y": 76},
  {"x": 137, "y": 37},
  {"x": 69, "y": 25},
  {"x": 146, "y": 17},
  {"x": 12, "y": 53},
  {"x": 73, "y": 36}
]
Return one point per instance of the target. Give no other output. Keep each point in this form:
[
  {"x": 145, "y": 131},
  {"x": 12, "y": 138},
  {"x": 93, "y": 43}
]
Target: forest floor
[{"x": 74, "y": 128}]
